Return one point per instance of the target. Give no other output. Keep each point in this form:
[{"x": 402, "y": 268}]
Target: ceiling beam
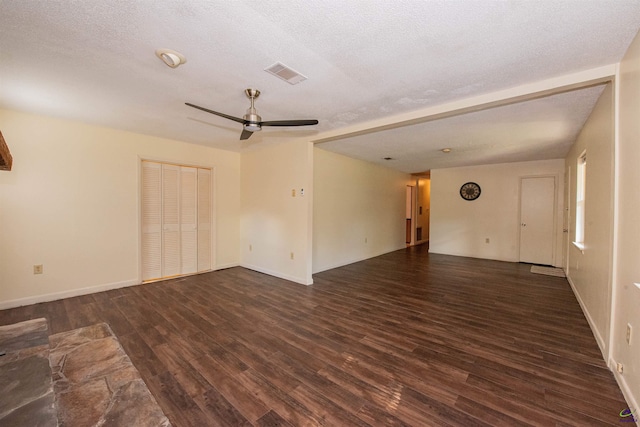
[{"x": 514, "y": 95}]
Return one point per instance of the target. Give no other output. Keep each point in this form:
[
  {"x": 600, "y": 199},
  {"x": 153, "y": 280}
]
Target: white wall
[
  {"x": 589, "y": 271},
  {"x": 71, "y": 203},
  {"x": 460, "y": 227},
  {"x": 358, "y": 210},
  {"x": 274, "y": 223},
  {"x": 626, "y": 298}
]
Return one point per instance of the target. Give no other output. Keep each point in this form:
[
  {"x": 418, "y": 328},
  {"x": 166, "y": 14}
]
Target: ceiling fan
[{"x": 252, "y": 122}]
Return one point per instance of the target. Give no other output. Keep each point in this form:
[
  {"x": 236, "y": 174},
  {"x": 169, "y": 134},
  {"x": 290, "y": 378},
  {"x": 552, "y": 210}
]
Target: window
[{"x": 581, "y": 172}]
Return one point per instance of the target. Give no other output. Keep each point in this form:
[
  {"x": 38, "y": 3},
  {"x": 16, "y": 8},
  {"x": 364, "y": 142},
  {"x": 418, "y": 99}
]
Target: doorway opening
[
  {"x": 418, "y": 209},
  {"x": 409, "y": 214}
]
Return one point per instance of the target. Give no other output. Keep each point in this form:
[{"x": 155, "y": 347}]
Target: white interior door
[
  {"x": 151, "y": 221},
  {"x": 176, "y": 220},
  {"x": 537, "y": 225},
  {"x": 188, "y": 220},
  {"x": 204, "y": 219},
  {"x": 170, "y": 220}
]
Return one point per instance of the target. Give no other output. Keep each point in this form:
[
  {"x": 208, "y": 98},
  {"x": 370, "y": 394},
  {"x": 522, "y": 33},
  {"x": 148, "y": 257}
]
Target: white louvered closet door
[
  {"x": 170, "y": 220},
  {"x": 188, "y": 219},
  {"x": 204, "y": 219},
  {"x": 151, "y": 221},
  {"x": 176, "y": 220}
]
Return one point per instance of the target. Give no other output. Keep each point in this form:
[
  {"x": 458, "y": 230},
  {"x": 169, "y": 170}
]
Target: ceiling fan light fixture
[
  {"x": 170, "y": 57},
  {"x": 252, "y": 127},
  {"x": 446, "y": 150},
  {"x": 252, "y": 122}
]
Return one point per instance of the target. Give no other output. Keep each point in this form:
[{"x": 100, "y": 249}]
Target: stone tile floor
[
  {"x": 27, "y": 389},
  {"x": 77, "y": 378},
  {"x": 96, "y": 383}
]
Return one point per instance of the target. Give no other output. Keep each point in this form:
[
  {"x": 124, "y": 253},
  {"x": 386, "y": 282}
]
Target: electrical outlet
[
  {"x": 620, "y": 368},
  {"x": 629, "y": 333},
  {"x": 293, "y": 193},
  {"x": 37, "y": 269}
]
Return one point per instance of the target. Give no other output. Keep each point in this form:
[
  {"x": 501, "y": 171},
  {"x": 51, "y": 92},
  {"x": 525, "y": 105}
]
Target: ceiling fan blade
[
  {"x": 290, "y": 123},
  {"x": 245, "y": 134},
  {"x": 226, "y": 116}
]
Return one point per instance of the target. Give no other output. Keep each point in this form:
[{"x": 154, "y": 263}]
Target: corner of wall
[{"x": 276, "y": 200}]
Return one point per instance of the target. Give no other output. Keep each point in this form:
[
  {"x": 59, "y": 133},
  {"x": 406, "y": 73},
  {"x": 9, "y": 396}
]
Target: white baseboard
[
  {"x": 82, "y": 291},
  {"x": 626, "y": 391},
  {"x": 476, "y": 256},
  {"x": 66, "y": 294},
  {"x": 299, "y": 280},
  {"x": 358, "y": 259},
  {"x": 624, "y": 387},
  {"x": 223, "y": 266},
  {"x": 592, "y": 324}
]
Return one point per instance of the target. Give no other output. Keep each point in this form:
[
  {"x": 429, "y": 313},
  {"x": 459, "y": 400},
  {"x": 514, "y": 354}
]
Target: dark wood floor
[{"x": 407, "y": 338}]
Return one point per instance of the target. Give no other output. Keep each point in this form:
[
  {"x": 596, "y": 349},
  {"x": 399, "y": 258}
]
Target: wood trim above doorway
[{"x": 6, "y": 160}]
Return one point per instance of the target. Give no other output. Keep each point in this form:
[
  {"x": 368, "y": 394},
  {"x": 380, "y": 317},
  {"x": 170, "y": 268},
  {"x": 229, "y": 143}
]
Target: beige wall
[
  {"x": 589, "y": 271},
  {"x": 71, "y": 203},
  {"x": 626, "y": 298},
  {"x": 358, "y": 210},
  {"x": 460, "y": 227},
  {"x": 274, "y": 223}
]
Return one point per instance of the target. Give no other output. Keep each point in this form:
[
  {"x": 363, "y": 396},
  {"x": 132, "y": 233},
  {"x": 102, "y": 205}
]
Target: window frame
[{"x": 581, "y": 192}]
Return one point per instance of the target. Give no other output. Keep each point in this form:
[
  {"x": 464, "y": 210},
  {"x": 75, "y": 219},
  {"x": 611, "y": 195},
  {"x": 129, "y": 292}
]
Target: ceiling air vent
[{"x": 285, "y": 73}]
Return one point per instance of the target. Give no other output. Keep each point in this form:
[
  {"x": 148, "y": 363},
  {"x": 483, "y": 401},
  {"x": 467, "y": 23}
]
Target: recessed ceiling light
[
  {"x": 171, "y": 57},
  {"x": 446, "y": 150}
]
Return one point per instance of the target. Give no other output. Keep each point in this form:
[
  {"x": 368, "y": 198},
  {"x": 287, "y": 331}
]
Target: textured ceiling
[
  {"x": 94, "y": 61},
  {"x": 540, "y": 129}
]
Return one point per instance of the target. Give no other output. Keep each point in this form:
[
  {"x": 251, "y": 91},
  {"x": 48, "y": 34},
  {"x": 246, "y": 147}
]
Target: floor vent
[{"x": 285, "y": 73}]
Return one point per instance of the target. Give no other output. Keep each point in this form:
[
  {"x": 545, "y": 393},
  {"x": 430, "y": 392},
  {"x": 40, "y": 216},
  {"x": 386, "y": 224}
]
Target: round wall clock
[{"x": 470, "y": 191}]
